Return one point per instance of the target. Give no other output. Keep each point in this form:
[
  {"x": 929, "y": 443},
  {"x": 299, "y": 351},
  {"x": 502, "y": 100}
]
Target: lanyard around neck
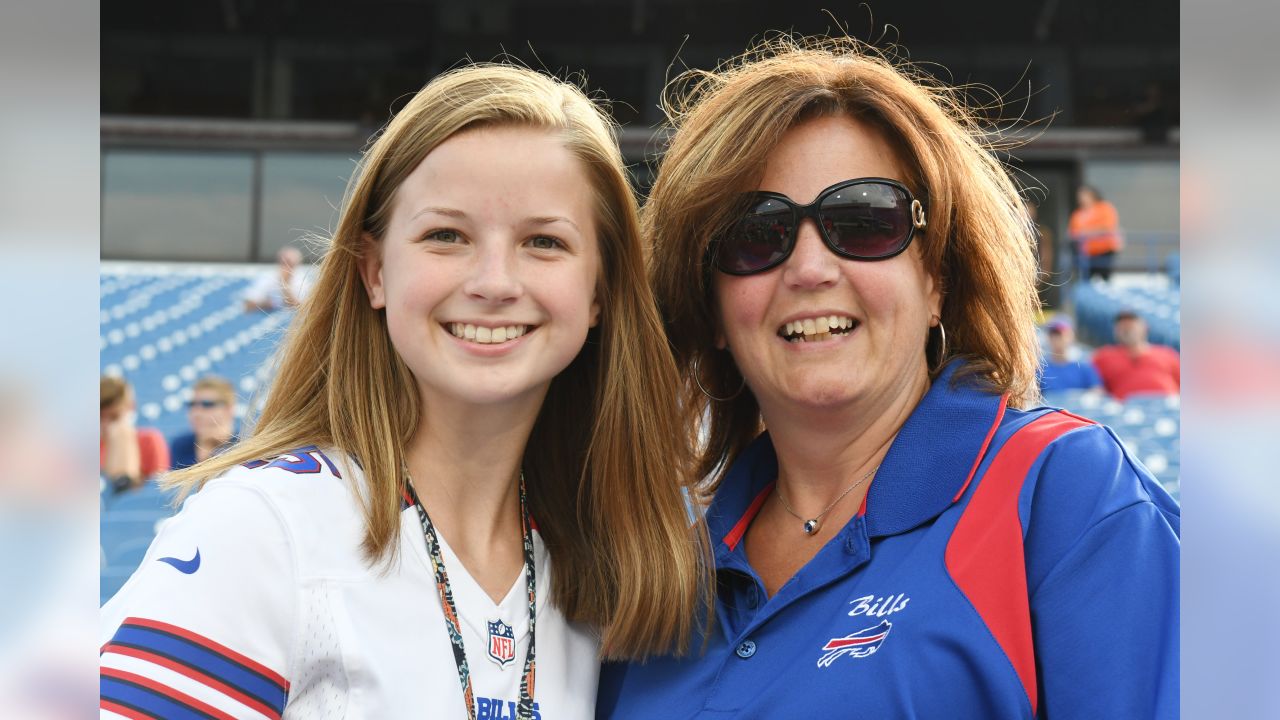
[{"x": 524, "y": 708}]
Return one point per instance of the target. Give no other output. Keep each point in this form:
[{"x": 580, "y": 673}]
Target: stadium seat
[
  {"x": 149, "y": 497},
  {"x": 1155, "y": 298},
  {"x": 110, "y": 582}
]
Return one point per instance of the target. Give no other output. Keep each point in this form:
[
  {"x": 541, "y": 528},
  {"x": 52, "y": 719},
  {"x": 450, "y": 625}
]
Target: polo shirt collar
[{"x": 926, "y": 469}]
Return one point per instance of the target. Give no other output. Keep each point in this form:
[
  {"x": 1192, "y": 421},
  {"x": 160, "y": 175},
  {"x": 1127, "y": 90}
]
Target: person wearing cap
[
  {"x": 1135, "y": 366},
  {"x": 1062, "y": 369}
]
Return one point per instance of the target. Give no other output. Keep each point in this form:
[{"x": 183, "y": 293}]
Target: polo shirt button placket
[{"x": 746, "y": 649}]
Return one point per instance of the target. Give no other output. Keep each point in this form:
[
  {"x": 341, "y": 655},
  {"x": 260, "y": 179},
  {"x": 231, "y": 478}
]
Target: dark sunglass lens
[
  {"x": 867, "y": 220},
  {"x": 758, "y": 240}
]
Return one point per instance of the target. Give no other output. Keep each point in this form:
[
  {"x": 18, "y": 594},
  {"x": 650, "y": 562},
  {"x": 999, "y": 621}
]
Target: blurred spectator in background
[
  {"x": 1135, "y": 366},
  {"x": 283, "y": 287},
  {"x": 127, "y": 454},
  {"x": 1095, "y": 230},
  {"x": 212, "y": 415},
  {"x": 1062, "y": 368}
]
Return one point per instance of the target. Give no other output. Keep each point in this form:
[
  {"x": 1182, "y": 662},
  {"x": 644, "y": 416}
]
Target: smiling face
[
  {"x": 820, "y": 331},
  {"x": 489, "y": 265}
]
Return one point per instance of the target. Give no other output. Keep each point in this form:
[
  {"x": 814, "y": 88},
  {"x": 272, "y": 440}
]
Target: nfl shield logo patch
[{"x": 502, "y": 643}]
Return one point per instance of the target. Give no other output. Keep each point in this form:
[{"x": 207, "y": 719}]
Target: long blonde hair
[
  {"x": 604, "y": 466},
  {"x": 978, "y": 246}
]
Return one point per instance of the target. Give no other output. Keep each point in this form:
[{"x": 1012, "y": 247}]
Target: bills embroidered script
[
  {"x": 502, "y": 643},
  {"x": 858, "y": 645},
  {"x": 873, "y": 606}
]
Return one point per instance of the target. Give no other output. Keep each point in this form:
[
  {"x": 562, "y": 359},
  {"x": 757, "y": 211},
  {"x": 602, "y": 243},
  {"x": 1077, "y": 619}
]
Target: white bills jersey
[{"x": 254, "y": 601}]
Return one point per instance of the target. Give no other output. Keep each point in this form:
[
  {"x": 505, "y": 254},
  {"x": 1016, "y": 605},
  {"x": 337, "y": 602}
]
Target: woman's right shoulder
[
  {"x": 307, "y": 495},
  {"x": 308, "y": 477}
]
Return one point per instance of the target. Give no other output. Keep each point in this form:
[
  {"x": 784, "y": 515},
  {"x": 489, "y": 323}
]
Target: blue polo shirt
[
  {"x": 1069, "y": 375},
  {"x": 182, "y": 449},
  {"x": 989, "y": 574}
]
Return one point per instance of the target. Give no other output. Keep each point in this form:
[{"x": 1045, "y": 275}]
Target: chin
[
  {"x": 496, "y": 395},
  {"x": 822, "y": 395}
]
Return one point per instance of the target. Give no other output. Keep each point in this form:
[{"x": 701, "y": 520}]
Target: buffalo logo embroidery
[
  {"x": 502, "y": 643},
  {"x": 859, "y": 644}
]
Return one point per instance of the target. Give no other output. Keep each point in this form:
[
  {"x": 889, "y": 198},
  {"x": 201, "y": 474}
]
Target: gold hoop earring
[
  {"x": 942, "y": 354},
  {"x": 697, "y": 379}
]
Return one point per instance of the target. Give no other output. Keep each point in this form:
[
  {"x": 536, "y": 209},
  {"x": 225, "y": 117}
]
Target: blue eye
[
  {"x": 444, "y": 236},
  {"x": 543, "y": 242}
]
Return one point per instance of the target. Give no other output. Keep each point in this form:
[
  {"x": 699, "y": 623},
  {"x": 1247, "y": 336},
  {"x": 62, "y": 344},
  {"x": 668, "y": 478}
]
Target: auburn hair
[
  {"x": 979, "y": 245},
  {"x": 606, "y": 472}
]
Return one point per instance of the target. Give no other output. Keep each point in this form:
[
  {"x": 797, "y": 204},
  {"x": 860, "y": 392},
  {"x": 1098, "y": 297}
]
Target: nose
[
  {"x": 494, "y": 276},
  {"x": 812, "y": 264}
]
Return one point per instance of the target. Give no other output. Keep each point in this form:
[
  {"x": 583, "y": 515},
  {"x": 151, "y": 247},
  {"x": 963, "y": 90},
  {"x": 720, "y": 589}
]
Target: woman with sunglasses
[
  {"x": 452, "y": 504},
  {"x": 847, "y": 277}
]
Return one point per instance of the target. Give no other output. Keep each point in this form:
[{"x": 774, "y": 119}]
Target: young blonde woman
[{"x": 458, "y": 497}]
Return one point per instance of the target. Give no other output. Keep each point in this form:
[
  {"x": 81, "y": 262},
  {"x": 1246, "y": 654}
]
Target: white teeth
[
  {"x": 815, "y": 329},
  {"x": 481, "y": 334}
]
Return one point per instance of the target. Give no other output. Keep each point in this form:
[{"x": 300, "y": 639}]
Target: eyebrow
[
  {"x": 455, "y": 213},
  {"x": 548, "y": 219},
  {"x": 449, "y": 212}
]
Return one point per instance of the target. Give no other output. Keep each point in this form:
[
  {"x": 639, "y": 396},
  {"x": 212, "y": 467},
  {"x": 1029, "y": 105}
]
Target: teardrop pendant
[{"x": 811, "y": 526}]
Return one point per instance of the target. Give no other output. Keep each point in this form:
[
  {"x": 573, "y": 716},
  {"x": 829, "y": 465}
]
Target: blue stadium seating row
[
  {"x": 162, "y": 329},
  {"x": 1157, "y": 300}
]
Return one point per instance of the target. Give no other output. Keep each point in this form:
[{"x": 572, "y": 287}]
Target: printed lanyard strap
[{"x": 524, "y": 708}]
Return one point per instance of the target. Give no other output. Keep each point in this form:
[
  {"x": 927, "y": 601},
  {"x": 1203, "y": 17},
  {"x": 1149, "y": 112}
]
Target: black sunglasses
[
  {"x": 861, "y": 219},
  {"x": 205, "y": 404}
]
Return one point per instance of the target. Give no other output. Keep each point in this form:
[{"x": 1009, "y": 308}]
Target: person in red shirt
[
  {"x": 127, "y": 454},
  {"x": 1135, "y": 366}
]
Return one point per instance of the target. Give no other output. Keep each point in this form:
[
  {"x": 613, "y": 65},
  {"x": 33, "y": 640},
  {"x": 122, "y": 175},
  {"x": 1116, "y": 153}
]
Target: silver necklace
[{"x": 812, "y": 524}]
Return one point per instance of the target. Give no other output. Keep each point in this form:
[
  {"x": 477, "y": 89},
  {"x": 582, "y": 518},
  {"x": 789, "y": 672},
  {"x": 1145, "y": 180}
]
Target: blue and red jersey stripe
[{"x": 194, "y": 656}]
